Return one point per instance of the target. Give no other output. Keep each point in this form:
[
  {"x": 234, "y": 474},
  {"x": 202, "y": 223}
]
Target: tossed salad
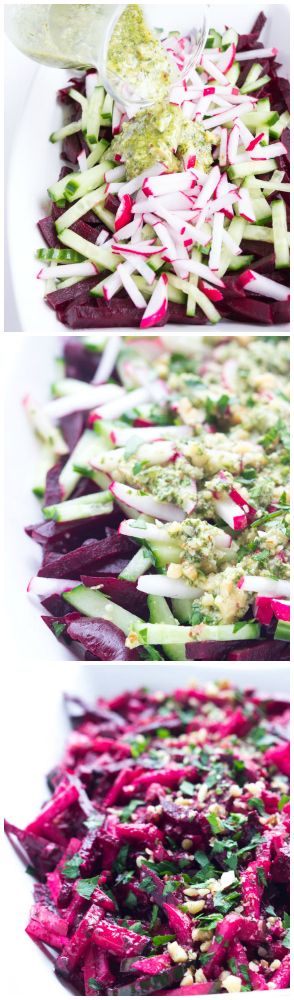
[
  {"x": 161, "y": 858},
  {"x": 178, "y": 212},
  {"x": 164, "y": 488}
]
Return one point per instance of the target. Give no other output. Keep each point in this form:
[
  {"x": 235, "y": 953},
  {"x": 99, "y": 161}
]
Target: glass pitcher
[{"x": 78, "y": 36}]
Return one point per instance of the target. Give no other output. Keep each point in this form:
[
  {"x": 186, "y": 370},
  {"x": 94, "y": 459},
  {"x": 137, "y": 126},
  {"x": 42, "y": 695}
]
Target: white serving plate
[
  {"x": 35, "y": 165},
  {"x": 36, "y": 735}
]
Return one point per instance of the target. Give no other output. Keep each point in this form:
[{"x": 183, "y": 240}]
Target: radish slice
[
  {"x": 265, "y": 585},
  {"x": 117, "y": 174},
  {"x": 227, "y": 58},
  {"x": 208, "y": 187},
  {"x": 130, "y": 287},
  {"x": 233, "y": 143},
  {"x": 126, "y": 401},
  {"x": 195, "y": 267},
  {"x": 128, "y": 231},
  {"x": 91, "y": 83},
  {"x": 146, "y": 504},
  {"x": 157, "y": 306},
  {"x": 216, "y": 242},
  {"x": 214, "y": 294},
  {"x": 112, "y": 284},
  {"x": 223, "y": 148},
  {"x": 230, "y": 243},
  {"x": 82, "y": 160},
  {"x": 228, "y": 116},
  {"x": 103, "y": 236},
  {"x": 144, "y": 532},
  {"x": 231, "y": 514},
  {"x": 263, "y": 609},
  {"x": 245, "y": 206},
  {"x": 107, "y": 361},
  {"x": 124, "y": 212},
  {"x": 266, "y": 152},
  {"x": 120, "y": 435},
  {"x": 84, "y": 270},
  {"x": 281, "y": 610},
  {"x": 142, "y": 249},
  {"x": 167, "y": 183},
  {"x": 256, "y": 54},
  {"x": 229, "y": 374},
  {"x": 84, "y": 400},
  {"x": 137, "y": 182},
  {"x": 261, "y": 285},
  {"x": 213, "y": 70},
  {"x": 42, "y": 586},
  {"x": 162, "y": 586}
]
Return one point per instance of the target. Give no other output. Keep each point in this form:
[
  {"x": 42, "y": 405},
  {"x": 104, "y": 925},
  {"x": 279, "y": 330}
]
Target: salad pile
[
  {"x": 180, "y": 212},
  {"x": 165, "y": 498},
  {"x": 161, "y": 858}
]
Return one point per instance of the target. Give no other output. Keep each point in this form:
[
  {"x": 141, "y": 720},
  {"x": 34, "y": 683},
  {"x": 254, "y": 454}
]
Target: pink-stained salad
[{"x": 161, "y": 857}]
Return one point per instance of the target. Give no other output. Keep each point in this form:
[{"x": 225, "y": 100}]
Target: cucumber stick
[
  {"x": 278, "y": 127},
  {"x": 81, "y": 207},
  {"x": 248, "y": 88},
  {"x": 138, "y": 565},
  {"x": 161, "y": 614},
  {"x": 162, "y": 633},
  {"x": 103, "y": 259},
  {"x": 47, "y": 459},
  {"x": 281, "y": 241},
  {"x": 93, "y": 119},
  {"x": 251, "y": 167},
  {"x": 88, "y": 447},
  {"x": 75, "y": 185},
  {"x": 262, "y": 210},
  {"x": 71, "y": 129},
  {"x": 75, "y": 510},
  {"x": 96, "y": 605},
  {"x": 182, "y": 609},
  {"x": 58, "y": 256}
]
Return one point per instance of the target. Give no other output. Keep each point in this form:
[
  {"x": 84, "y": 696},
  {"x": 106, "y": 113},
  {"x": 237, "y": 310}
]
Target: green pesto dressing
[
  {"x": 137, "y": 56},
  {"x": 161, "y": 134}
]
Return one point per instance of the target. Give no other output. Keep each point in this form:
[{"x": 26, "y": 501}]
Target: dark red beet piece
[
  {"x": 52, "y": 490},
  {"x": 122, "y": 592},
  {"x": 102, "y": 639},
  {"x": 87, "y": 557}
]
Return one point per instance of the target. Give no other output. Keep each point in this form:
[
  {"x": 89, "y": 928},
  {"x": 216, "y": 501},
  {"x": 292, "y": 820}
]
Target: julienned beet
[
  {"x": 166, "y": 499},
  {"x": 161, "y": 858},
  {"x": 201, "y": 232}
]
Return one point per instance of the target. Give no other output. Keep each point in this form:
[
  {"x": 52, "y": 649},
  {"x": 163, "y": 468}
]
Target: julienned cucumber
[
  {"x": 81, "y": 207},
  {"x": 251, "y": 167},
  {"x": 138, "y": 565},
  {"x": 158, "y": 635},
  {"x": 75, "y": 510},
  {"x": 103, "y": 259},
  {"x": 75, "y": 185},
  {"x": 67, "y": 130},
  {"x": 161, "y": 614},
  {"x": 278, "y": 127},
  {"x": 182, "y": 609},
  {"x": 248, "y": 88},
  {"x": 59, "y": 256},
  {"x": 96, "y": 605},
  {"x": 164, "y": 553},
  {"x": 87, "y": 447},
  {"x": 281, "y": 242},
  {"x": 240, "y": 261},
  {"x": 283, "y": 631},
  {"x": 93, "y": 118}
]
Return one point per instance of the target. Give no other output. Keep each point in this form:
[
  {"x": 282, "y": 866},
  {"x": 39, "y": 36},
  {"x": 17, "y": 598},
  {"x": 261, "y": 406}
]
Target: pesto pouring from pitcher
[{"x": 167, "y": 526}]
